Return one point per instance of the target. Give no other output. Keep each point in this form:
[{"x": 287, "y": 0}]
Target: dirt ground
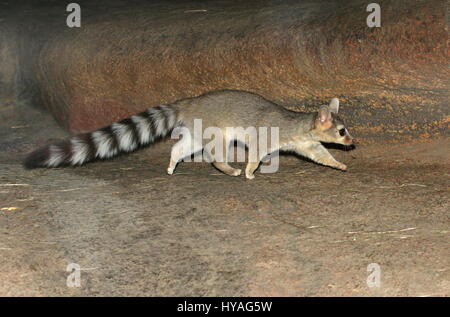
[{"x": 307, "y": 230}]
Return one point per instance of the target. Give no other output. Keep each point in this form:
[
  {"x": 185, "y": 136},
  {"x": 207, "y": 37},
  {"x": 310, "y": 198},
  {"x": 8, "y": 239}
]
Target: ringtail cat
[{"x": 298, "y": 132}]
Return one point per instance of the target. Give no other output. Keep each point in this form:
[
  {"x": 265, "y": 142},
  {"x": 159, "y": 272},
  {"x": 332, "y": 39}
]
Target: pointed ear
[
  {"x": 324, "y": 114},
  {"x": 334, "y": 105}
]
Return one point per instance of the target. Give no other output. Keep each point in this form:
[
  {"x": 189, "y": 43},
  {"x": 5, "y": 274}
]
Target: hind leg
[
  {"x": 175, "y": 156},
  {"x": 183, "y": 148},
  {"x": 222, "y": 163},
  {"x": 227, "y": 169}
]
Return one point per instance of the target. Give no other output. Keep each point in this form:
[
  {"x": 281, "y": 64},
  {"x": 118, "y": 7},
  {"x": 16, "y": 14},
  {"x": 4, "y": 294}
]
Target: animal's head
[{"x": 329, "y": 127}]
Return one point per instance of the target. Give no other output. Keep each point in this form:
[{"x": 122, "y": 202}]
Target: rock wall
[{"x": 393, "y": 81}]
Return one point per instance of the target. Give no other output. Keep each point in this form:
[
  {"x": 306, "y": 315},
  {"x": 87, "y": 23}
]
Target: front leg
[
  {"x": 318, "y": 153},
  {"x": 250, "y": 169}
]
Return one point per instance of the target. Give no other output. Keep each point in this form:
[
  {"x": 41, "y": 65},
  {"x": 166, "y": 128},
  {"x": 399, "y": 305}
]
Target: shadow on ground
[{"x": 307, "y": 230}]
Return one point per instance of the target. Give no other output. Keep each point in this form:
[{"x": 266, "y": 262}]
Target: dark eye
[{"x": 342, "y": 132}]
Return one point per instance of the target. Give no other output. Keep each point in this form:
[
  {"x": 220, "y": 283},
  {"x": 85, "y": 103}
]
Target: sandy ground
[{"x": 307, "y": 230}]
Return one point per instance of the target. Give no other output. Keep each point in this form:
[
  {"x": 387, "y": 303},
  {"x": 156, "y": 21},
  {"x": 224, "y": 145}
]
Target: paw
[
  {"x": 341, "y": 166},
  {"x": 170, "y": 170},
  {"x": 249, "y": 176},
  {"x": 236, "y": 172}
]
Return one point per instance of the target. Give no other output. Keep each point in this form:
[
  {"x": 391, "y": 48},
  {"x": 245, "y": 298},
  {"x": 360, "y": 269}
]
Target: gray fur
[{"x": 298, "y": 132}]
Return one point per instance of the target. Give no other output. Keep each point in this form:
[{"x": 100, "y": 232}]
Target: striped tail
[{"x": 124, "y": 136}]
